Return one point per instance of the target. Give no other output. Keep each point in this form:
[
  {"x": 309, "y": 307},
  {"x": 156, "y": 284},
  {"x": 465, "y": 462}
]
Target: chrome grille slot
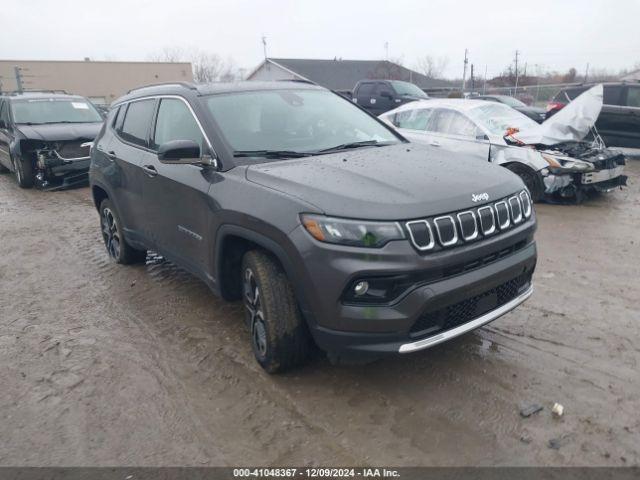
[
  {"x": 487, "y": 220},
  {"x": 526, "y": 204},
  {"x": 421, "y": 234},
  {"x": 516, "y": 209},
  {"x": 502, "y": 211},
  {"x": 468, "y": 225},
  {"x": 446, "y": 228}
]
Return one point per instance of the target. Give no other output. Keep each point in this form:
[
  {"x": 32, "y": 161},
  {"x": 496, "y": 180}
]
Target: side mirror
[
  {"x": 386, "y": 95},
  {"x": 179, "y": 151}
]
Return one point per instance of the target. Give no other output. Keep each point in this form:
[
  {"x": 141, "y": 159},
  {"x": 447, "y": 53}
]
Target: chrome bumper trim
[{"x": 464, "y": 328}]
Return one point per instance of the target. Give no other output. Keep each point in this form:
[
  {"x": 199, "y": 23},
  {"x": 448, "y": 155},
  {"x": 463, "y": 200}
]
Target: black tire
[
  {"x": 531, "y": 179},
  {"x": 23, "y": 170},
  {"x": 279, "y": 336},
  {"x": 112, "y": 234}
]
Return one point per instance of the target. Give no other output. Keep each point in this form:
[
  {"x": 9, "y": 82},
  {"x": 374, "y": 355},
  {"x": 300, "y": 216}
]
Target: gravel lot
[{"x": 109, "y": 365}]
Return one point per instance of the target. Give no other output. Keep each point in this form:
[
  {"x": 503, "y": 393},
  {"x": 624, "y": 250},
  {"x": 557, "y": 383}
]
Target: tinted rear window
[
  {"x": 612, "y": 95},
  {"x": 135, "y": 128}
]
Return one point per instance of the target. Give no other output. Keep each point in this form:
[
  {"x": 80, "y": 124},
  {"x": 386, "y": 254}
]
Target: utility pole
[
  {"x": 473, "y": 82},
  {"x": 484, "y": 86},
  {"x": 586, "y": 73},
  {"x": 386, "y": 48},
  {"x": 515, "y": 90},
  {"x": 18, "y": 74},
  {"x": 464, "y": 71},
  {"x": 264, "y": 46}
]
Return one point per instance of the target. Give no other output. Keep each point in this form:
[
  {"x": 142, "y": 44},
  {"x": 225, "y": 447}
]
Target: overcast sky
[{"x": 554, "y": 35}]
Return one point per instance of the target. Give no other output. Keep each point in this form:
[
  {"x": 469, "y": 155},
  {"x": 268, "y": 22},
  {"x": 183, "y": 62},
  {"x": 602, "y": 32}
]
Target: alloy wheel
[
  {"x": 253, "y": 304},
  {"x": 110, "y": 233}
]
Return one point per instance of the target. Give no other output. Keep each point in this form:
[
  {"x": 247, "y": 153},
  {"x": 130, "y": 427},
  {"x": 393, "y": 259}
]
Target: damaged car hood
[
  {"x": 386, "y": 183},
  {"x": 58, "y": 132},
  {"x": 571, "y": 124}
]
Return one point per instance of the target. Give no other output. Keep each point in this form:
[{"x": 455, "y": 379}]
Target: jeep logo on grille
[{"x": 479, "y": 197}]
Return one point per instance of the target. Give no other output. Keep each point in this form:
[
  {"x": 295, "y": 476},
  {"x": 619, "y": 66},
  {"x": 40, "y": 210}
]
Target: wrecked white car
[{"x": 552, "y": 158}]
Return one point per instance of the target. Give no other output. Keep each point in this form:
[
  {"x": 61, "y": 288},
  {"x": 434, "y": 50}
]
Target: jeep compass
[{"x": 324, "y": 221}]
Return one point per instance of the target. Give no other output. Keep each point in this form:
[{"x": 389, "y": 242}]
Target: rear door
[
  {"x": 613, "y": 123},
  {"x": 5, "y": 137},
  {"x": 365, "y": 95},
  {"x": 452, "y": 131},
  {"x": 126, "y": 150},
  {"x": 630, "y": 135},
  {"x": 385, "y": 98},
  {"x": 176, "y": 196}
]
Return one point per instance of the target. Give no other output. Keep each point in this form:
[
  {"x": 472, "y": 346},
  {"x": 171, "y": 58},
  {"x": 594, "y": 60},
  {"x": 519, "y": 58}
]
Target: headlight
[
  {"x": 567, "y": 164},
  {"x": 357, "y": 233}
]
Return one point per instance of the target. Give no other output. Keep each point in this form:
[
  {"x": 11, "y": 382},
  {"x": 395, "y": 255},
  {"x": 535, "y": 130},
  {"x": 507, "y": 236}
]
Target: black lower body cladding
[{"x": 442, "y": 294}]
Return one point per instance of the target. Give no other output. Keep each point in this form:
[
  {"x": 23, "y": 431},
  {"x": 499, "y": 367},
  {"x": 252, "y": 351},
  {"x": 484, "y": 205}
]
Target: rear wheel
[
  {"x": 112, "y": 234},
  {"x": 531, "y": 179},
  {"x": 279, "y": 336},
  {"x": 23, "y": 170}
]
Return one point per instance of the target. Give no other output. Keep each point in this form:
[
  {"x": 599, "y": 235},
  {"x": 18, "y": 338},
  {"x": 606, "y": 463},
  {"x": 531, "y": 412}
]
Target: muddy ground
[{"x": 102, "y": 364}]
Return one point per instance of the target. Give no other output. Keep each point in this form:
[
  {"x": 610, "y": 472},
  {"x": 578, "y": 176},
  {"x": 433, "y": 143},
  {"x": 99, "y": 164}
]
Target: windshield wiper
[
  {"x": 347, "y": 146},
  {"x": 270, "y": 153}
]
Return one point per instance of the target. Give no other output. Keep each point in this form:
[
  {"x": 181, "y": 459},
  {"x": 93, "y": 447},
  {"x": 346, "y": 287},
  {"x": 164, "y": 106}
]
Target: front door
[
  {"x": 176, "y": 196},
  {"x": 5, "y": 136}
]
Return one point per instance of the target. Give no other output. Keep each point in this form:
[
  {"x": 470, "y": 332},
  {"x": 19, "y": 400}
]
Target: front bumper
[
  {"x": 390, "y": 328},
  {"x": 55, "y": 172}
]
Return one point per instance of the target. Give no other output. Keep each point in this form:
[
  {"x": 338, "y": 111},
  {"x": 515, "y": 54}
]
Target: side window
[
  {"x": 4, "y": 112},
  {"x": 119, "y": 117},
  {"x": 633, "y": 97},
  {"x": 612, "y": 95},
  {"x": 413, "y": 119},
  {"x": 366, "y": 89},
  {"x": 451, "y": 122},
  {"x": 135, "y": 128},
  {"x": 175, "y": 122},
  {"x": 386, "y": 89}
]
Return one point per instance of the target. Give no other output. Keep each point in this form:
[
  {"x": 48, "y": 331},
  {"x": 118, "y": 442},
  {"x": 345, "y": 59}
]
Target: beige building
[{"x": 101, "y": 82}]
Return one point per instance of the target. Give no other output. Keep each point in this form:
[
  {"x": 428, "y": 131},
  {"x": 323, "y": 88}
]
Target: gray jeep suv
[{"x": 329, "y": 225}]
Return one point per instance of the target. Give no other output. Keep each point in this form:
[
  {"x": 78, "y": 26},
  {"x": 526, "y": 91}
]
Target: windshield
[
  {"x": 406, "y": 88},
  {"x": 497, "y": 119},
  {"x": 54, "y": 110},
  {"x": 512, "y": 102},
  {"x": 293, "y": 120}
]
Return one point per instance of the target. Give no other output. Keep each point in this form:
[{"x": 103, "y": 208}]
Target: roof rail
[
  {"x": 298, "y": 80},
  {"x": 35, "y": 90},
  {"x": 188, "y": 85}
]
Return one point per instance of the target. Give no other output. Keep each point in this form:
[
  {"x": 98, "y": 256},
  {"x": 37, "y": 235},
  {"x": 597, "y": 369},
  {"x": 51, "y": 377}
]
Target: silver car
[{"x": 552, "y": 159}]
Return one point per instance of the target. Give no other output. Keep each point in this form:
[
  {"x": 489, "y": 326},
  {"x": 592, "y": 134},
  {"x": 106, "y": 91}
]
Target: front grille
[
  {"x": 470, "y": 225},
  {"x": 78, "y": 149},
  {"x": 451, "y": 316}
]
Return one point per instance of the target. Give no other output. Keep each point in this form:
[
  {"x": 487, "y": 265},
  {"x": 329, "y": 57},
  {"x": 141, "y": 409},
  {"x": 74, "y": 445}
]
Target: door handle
[
  {"x": 111, "y": 154},
  {"x": 150, "y": 170},
  {"x": 435, "y": 143}
]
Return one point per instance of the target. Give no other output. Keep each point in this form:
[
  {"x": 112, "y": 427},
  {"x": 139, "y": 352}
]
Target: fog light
[{"x": 361, "y": 288}]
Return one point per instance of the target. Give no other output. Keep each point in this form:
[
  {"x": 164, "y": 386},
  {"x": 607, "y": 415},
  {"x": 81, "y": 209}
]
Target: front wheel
[
  {"x": 112, "y": 234},
  {"x": 23, "y": 170},
  {"x": 279, "y": 336},
  {"x": 531, "y": 179}
]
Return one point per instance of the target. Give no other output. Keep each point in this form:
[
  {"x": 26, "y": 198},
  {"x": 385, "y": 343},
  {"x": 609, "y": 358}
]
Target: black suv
[
  {"x": 379, "y": 96},
  {"x": 619, "y": 120},
  {"x": 46, "y": 137},
  {"x": 322, "y": 219}
]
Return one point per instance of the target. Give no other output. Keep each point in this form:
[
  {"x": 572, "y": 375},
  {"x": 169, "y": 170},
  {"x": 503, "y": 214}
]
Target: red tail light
[{"x": 555, "y": 106}]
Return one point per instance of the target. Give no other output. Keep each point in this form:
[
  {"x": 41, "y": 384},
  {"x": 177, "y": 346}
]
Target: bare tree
[
  {"x": 431, "y": 66},
  {"x": 207, "y": 67}
]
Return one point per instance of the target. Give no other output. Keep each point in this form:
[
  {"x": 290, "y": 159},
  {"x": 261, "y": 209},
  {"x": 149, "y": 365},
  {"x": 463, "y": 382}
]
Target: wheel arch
[{"x": 232, "y": 242}]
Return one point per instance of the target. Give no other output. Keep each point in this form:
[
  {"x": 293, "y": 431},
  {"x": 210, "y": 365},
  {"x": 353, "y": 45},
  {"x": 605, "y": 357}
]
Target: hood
[
  {"x": 571, "y": 124},
  {"x": 531, "y": 109},
  {"x": 396, "y": 182},
  {"x": 60, "y": 132}
]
